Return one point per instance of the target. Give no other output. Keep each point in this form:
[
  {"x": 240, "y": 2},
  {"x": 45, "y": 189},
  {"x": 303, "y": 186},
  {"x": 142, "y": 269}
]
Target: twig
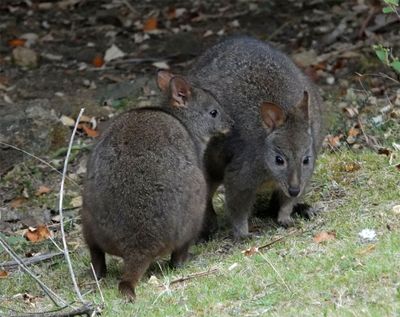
[
  {"x": 388, "y": 21},
  {"x": 372, "y": 12},
  {"x": 31, "y": 260},
  {"x": 53, "y": 296},
  {"x": 194, "y": 275},
  {"x": 382, "y": 75},
  {"x": 66, "y": 253},
  {"x": 278, "y": 30},
  {"x": 324, "y": 57},
  {"x": 276, "y": 271},
  {"x": 129, "y": 6},
  {"x": 277, "y": 240},
  {"x": 138, "y": 60},
  {"x": 56, "y": 245},
  {"x": 39, "y": 159},
  {"x": 84, "y": 310}
]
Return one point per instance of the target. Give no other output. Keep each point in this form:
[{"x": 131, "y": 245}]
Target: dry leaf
[
  {"x": 161, "y": 65},
  {"x": 334, "y": 141},
  {"x": 113, "y": 53},
  {"x": 396, "y": 146},
  {"x": 354, "y": 132},
  {"x": 233, "y": 266},
  {"x": 350, "y": 111},
  {"x": 367, "y": 250},
  {"x": 98, "y": 61},
  {"x": 29, "y": 299},
  {"x": 69, "y": 122},
  {"x": 150, "y": 24},
  {"x": 171, "y": 13},
  {"x": 3, "y": 274},
  {"x": 16, "y": 42},
  {"x": 154, "y": 280},
  {"x": 208, "y": 33},
  {"x": 351, "y": 167},
  {"x": 42, "y": 190},
  {"x": 324, "y": 236},
  {"x": 396, "y": 209},
  {"x": 395, "y": 113},
  {"x": 76, "y": 201},
  {"x": 56, "y": 218},
  {"x": 17, "y": 202},
  {"x": 38, "y": 234},
  {"x": 384, "y": 151},
  {"x": 90, "y": 132},
  {"x": 85, "y": 119},
  {"x": 250, "y": 251}
]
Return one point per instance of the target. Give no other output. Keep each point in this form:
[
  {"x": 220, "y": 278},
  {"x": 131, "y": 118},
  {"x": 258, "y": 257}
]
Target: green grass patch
[{"x": 294, "y": 277}]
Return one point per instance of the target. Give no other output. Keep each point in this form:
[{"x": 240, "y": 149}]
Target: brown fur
[{"x": 145, "y": 194}]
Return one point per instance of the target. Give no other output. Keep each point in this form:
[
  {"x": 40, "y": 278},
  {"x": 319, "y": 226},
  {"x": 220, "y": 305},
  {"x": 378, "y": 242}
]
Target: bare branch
[
  {"x": 84, "y": 310},
  {"x": 194, "y": 275},
  {"x": 66, "y": 253},
  {"x": 31, "y": 260}
]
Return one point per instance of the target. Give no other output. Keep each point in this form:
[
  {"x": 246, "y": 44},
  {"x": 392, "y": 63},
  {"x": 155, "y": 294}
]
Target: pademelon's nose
[{"x": 294, "y": 191}]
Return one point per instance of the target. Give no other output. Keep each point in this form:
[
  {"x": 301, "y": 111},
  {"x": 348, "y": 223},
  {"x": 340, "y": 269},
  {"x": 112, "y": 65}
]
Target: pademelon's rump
[{"x": 145, "y": 193}]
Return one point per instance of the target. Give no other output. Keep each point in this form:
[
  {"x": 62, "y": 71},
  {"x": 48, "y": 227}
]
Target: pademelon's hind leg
[
  {"x": 180, "y": 255},
  {"x": 134, "y": 268},
  {"x": 98, "y": 258}
]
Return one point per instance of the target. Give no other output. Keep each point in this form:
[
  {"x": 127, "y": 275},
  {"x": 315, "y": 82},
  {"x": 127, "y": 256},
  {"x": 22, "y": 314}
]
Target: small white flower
[{"x": 367, "y": 235}]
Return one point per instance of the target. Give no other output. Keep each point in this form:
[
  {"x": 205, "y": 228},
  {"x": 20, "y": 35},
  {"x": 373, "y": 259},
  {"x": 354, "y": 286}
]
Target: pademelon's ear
[
  {"x": 180, "y": 92},
  {"x": 304, "y": 106},
  {"x": 163, "y": 79},
  {"x": 177, "y": 87},
  {"x": 272, "y": 115}
]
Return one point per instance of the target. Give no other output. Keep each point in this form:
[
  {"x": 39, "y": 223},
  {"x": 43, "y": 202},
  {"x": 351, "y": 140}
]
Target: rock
[
  {"x": 25, "y": 57},
  {"x": 305, "y": 58},
  {"x": 31, "y": 126}
]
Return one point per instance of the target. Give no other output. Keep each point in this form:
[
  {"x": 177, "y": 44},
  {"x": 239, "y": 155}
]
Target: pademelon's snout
[
  {"x": 228, "y": 126},
  {"x": 294, "y": 191}
]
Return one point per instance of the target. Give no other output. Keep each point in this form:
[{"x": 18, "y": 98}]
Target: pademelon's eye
[
  {"x": 213, "y": 113},
  {"x": 306, "y": 160},
  {"x": 279, "y": 160}
]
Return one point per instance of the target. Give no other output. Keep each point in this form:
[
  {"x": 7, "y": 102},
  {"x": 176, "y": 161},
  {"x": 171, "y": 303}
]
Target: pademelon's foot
[
  {"x": 179, "y": 256},
  {"x": 127, "y": 290},
  {"x": 306, "y": 211},
  {"x": 177, "y": 264},
  {"x": 286, "y": 221},
  {"x": 207, "y": 233},
  {"x": 241, "y": 237}
]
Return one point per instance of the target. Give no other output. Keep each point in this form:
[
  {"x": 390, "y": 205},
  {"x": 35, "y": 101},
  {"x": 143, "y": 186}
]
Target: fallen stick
[
  {"x": 60, "y": 207},
  {"x": 85, "y": 310},
  {"x": 31, "y": 260},
  {"x": 194, "y": 275},
  {"x": 277, "y": 240}
]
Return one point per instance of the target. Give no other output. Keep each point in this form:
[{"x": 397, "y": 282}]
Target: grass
[{"x": 342, "y": 277}]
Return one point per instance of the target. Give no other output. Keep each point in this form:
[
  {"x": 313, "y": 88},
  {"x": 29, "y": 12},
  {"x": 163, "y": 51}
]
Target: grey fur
[{"x": 243, "y": 73}]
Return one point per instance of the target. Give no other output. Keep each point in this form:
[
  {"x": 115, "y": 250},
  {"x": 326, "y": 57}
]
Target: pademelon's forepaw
[{"x": 286, "y": 222}]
